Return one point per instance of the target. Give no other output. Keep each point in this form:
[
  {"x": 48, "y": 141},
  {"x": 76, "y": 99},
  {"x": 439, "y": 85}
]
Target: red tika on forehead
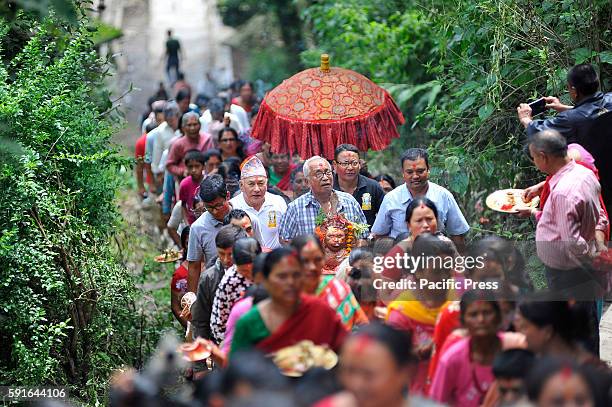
[
  {"x": 566, "y": 372},
  {"x": 362, "y": 343},
  {"x": 322, "y": 164},
  {"x": 422, "y": 206},
  {"x": 311, "y": 245}
]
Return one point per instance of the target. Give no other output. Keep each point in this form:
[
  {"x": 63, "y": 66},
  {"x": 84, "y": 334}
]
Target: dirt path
[
  {"x": 138, "y": 64},
  {"x": 139, "y": 53}
]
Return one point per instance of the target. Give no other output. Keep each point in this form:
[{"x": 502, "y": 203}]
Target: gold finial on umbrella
[
  {"x": 324, "y": 63},
  {"x": 320, "y": 108}
]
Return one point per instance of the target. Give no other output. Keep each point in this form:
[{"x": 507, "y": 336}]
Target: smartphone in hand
[{"x": 538, "y": 106}]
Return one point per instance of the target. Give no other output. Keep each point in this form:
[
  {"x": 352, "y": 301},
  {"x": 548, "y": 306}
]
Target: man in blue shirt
[{"x": 391, "y": 218}]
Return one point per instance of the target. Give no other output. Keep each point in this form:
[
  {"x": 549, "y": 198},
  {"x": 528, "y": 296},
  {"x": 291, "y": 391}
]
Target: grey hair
[
  {"x": 358, "y": 254},
  {"x": 171, "y": 109},
  {"x": 312, "y": 159},
  {"x": 187, "y": 116},
  {"x": 550, "y": 142},
  {"x": 216, "y": 105}
]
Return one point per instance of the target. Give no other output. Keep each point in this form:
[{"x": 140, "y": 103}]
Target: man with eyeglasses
[
  {"x": 301, "y": 214},
  {"x": 367, "y": 192},
  {"x": 263, "y": 208},
  {"x": 391, "y": 219},
  {"x": 201, "y": 248}
]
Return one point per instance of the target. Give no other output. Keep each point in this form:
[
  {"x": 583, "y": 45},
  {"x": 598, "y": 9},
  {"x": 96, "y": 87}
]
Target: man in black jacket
[
  {"x": 573, "y": 122},
  {"x": 347, "y": 167}
]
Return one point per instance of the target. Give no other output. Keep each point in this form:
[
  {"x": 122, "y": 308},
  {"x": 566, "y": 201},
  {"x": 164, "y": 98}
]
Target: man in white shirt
[
  {"x": 161, "y": 137},
  {"x": 255, "y": 200},
  {"x": 214, "y": 118}
]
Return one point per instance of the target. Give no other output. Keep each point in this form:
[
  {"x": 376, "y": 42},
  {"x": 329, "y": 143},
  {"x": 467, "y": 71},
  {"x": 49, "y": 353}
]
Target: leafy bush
[
  {"x": 458, "y": 70},
  {"x": 67, "y": 312}
]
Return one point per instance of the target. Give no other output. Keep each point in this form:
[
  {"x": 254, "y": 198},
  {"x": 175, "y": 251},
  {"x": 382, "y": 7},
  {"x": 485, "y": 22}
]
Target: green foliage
[
  {"x": 458, "y": 70},
  {"x": 103, "y": 33},
  {"x": 285, "y": 50},
  {"x": 259, "y": 66},
  {"x": 68, "y": 311},
  {"x": 237, "y": 12},
  {"x": 64, "y": 9},
  {"x": 380, "y": 43}
]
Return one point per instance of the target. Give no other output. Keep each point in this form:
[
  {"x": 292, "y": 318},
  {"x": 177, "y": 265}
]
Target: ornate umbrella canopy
[{"x": 317, "y": 109}]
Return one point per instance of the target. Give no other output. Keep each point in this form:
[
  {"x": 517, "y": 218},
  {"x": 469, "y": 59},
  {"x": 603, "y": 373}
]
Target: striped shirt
[
  {"x": 565, "y": 230},
  {"x": 302, "y": 213}
]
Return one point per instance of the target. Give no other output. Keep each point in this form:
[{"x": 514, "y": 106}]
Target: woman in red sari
[{"x": 288, "y": 316}]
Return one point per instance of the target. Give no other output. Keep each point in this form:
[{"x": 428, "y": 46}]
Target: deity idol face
[{"x": 335, "y": 239}]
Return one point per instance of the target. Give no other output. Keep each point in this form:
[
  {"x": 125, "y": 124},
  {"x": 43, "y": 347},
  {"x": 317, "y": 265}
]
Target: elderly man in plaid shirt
[{"x": 301, "y": 213}]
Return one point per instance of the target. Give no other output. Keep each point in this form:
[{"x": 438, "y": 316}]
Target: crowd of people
[{"x": 277, "y": 250}]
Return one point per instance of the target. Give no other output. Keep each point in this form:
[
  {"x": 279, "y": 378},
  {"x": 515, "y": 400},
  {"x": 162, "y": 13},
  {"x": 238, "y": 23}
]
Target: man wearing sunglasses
[{"x": 367, "y": 192}]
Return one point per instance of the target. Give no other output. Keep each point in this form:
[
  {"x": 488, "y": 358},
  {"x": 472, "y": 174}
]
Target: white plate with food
[
  {"x": 294, "y": 361},
  {"x": 168, "y": 256},
  {"x": 510, "y": 201},
  {"x": 197, "y": 350}
]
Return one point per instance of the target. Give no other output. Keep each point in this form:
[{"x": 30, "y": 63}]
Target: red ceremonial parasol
[{"x": 320, "y": 108}]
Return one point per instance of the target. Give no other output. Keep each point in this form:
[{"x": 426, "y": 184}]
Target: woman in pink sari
[{"x": 464, "y": 374}]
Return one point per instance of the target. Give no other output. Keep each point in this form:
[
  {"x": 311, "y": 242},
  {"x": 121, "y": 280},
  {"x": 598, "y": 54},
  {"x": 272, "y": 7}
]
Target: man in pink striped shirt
[
  {"x": 193, "y": 139},
  {"x": 567, "y": 223},
  {"x": 566, "y": 226}
]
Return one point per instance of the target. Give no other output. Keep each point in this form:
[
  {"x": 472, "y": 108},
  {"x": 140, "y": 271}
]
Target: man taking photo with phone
[{"x": 573, "y": 122}]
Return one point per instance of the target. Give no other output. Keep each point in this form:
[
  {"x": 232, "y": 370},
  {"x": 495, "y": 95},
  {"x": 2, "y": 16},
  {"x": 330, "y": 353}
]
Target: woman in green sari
[{"x": 288, "y": 316}]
